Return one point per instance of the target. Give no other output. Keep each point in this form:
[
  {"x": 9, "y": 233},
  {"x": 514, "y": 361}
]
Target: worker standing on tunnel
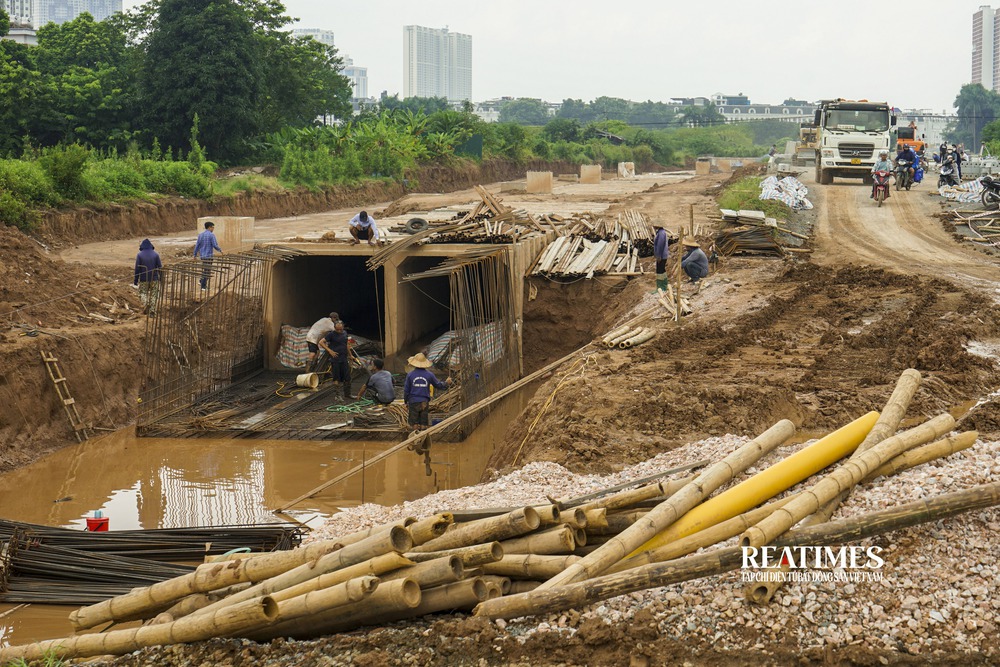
[
  {"x": 335, "y": 344},
  {"x": 662, "y": 254},
  {"x": 417, "y": 391}
]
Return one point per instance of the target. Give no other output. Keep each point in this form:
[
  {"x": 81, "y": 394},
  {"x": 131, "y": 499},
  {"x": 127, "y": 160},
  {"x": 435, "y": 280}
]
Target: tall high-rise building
[
  {"x": 19, "y": 11},
  {"x": 986, "y": 47},
  {"x": 60, "y": 11},
  {"x": 357, "y": 74},
  {"x": 437, "y": 63}
]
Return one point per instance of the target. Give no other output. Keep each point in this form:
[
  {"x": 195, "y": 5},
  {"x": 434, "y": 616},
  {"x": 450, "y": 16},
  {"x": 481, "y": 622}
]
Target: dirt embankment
[
  {"x": 76, "y": 226},
  {"x": 819, "y": 347}
]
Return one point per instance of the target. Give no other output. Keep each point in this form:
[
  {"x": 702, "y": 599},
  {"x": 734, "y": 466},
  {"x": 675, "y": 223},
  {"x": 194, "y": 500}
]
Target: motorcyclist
[
  {"x": 906, "y": 153},
  {"x": 948, "y": 168},
  {"x": 881, "y": 164}
]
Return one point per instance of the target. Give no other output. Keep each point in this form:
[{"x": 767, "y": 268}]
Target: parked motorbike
[
  {"x": 991, "y": 192},
  {"x": 903, "y": 178},
  {"x": 880, "y": 191}
]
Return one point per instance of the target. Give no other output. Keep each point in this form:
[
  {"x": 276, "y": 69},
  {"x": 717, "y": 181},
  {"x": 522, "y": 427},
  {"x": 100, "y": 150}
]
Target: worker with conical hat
[
  {"x": 417, "y": 391},
  {"x": 694, "y": 262}
]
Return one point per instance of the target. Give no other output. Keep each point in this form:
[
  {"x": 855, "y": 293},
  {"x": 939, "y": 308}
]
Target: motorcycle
[
  {"x": 991, "y": 193},
  {"x": 903, "y": 179},
  {"x": 947, "y": 175},
  {"x": 880, "y": 191}
]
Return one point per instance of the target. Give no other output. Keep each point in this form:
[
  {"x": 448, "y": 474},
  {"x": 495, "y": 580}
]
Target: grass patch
[
  {"x": 225, "y": 187},
  {"x": 745, "y": 194}
]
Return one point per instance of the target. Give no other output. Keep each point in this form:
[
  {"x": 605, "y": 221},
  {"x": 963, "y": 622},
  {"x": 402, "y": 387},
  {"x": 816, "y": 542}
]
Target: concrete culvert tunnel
[{"x": 313, "y": 286}]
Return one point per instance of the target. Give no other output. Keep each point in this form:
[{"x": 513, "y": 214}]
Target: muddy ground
[{"x": 818, "y": 338}]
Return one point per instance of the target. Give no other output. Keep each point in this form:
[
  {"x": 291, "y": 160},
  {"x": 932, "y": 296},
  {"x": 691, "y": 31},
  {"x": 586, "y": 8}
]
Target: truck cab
[{"x": 851, "y": 135}]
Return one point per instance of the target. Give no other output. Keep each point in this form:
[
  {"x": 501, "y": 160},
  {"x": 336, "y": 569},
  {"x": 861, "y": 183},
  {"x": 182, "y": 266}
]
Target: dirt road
[{"x": 901, "y": 236}]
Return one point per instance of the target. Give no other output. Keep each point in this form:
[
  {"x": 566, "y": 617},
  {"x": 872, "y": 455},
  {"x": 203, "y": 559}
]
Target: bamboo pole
[
  {"x": 373, "y": 567},
  {"x": 192, "y": 603},
  {"x": 577, "y": 595},
  {"x": 887, "y": 424},
  {"x": 596, "y": 518},
  {"x": 472, "y": 556},
  {"x": 617, "y": 522},
  {"x": 576, "y": 517},
  {"x": 139, "y": 602},
  {"x": 548, "y": 514},
  {"x": 376, "y": 530},
  {"x": 670, "y": 510},
  {"x": 502, "y": 583},
  {"x": 431, "y": 573},
  {"x": 920, "y": 455},
  {"x": 236, "y": 619},
  {"x": 844, "y": 477},
  {"x": 703, "y": 538},
  {"x": 558, "y": 540},
  {"x": 769, "y": 482},
  {"x": 428, "y": 528},
  {"x": 318, "y": 601},
  {"x": 396, "y": 540},
  {"x": 519, "y": 586},
  {"x": 626, "y": 498},
  {"x": 512, "y": 524},
  {"x": 581, "y": 500},
  {"x": 390, "y": 597},
  {"x": 529, "y": 566}
]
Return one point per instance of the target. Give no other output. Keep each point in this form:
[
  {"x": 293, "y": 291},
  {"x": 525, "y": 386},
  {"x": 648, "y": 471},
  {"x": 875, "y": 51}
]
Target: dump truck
[{"x": 851, "y": 135}]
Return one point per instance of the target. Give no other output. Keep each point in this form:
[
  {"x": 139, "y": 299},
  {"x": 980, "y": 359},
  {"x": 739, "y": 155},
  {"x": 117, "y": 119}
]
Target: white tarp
[
  {"x": 789, "y": 190},
  {"x": 967, "y": 192}
]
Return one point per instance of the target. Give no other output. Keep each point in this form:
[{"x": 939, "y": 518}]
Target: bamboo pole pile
[
  {"x": 601, "y": 247},
  {"x": 748, "y": 240}
]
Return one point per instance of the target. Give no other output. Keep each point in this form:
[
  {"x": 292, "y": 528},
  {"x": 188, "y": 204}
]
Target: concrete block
[
  {"x": 512, "y": 186},
  {"x": 234, "y": 233},
  {"x": 539, "y": 182},
  {"x": 703, "y": 167},
  {"x": 572, "y": 178},
  {"x": 725, "y": 166},
  {"x": 626, "y": 170},
  {"x": 590, "y": 174}
]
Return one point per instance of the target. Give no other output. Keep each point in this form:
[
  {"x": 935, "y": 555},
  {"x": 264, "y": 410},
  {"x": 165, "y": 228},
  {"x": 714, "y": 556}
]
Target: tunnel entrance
[{"x": 313, "y": 286}]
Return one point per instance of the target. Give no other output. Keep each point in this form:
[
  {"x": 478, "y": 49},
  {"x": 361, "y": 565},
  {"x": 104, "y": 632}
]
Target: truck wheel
[{"x": 826, "y": 177}]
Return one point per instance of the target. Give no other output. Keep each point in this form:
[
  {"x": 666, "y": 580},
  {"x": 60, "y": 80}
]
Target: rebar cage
[{"x": 199, "y": 341}]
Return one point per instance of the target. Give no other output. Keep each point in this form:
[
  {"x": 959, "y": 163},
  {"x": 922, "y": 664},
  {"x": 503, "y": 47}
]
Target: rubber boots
[{"x": 662, "y": 281}]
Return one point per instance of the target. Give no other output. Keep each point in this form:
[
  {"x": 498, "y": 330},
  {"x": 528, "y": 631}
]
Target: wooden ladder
[{"x": 62, "y": 389}]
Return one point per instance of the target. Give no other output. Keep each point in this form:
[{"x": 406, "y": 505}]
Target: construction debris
[
  {"x": 748, "y": 240},
  {"x": 602, "y": 247},
  {"x": 789, "y": 190}
]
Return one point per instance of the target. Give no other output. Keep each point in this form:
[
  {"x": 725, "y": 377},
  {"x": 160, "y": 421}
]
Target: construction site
[{"x": 604, "y": 461}]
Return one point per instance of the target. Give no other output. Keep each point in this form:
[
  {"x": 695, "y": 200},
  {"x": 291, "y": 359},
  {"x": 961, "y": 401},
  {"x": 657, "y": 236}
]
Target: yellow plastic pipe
[{"x": 768, "y": 483}]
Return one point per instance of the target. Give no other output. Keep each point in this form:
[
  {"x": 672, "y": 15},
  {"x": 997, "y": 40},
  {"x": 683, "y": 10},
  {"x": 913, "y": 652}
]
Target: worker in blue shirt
[
  {"x": 417, "y": 391},
  {"x": 204, "y": 247}
]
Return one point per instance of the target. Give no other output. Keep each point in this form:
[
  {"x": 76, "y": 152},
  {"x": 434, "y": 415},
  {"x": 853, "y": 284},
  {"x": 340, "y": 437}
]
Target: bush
[
  {"x": 175, "y": 178},
  {"x": 14, "y": 212},
  {"x": 113, "y": 179},
  {"x": 27, "y": 182},
  {"x": 65, "y": 166}
]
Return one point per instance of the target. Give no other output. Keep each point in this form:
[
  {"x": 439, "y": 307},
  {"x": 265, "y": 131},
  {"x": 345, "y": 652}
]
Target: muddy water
[{"x": 165, "y": 483}]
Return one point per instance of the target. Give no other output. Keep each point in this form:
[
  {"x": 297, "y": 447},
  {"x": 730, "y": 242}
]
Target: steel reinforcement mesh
[{"x": 199, "y": 341}]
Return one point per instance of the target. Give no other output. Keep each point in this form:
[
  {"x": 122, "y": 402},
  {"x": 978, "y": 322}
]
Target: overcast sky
[{"x": 657, "y": 49}]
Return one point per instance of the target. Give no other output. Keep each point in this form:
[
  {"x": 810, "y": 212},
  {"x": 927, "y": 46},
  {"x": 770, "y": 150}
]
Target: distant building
[
  {"x": 986, "y": 47},
  {"x": 437, "y": 63},
  {"x": 320, "y": 35},
  {"x": 738, "y": 108},
  {"x": 19, "y": 12},
  {"x": 359, "y": 79},
  {"x": 22, "y": 34},
  {"x": 61, "y": 11}
]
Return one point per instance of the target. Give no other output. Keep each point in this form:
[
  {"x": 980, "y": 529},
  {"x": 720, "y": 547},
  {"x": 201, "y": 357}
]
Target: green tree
[
  {"x": 977, "y": 107},
  {"x": 302, "y": 82},
  {"x": 562, "y": 129},
  {"x": 427, "y": 105},
  {"x": 203, "y": 57},
  {"x": 576, "y": 109},
  {"x": 702, "y": 116},
  {"x": 524, "y": 111}
]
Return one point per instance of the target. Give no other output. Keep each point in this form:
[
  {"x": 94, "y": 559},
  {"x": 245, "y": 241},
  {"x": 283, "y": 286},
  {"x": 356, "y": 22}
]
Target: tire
[
  {"x": 879, "y": 197},
  {"x": 990, "y": 199},
  {"x": 824, "y": 176},
  {"x": 899, "y": 182},
  {"x": 414, "y": 225}
]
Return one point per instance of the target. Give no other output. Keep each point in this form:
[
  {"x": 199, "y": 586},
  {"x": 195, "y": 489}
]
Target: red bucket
[{"x": 98, "y": 524}]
